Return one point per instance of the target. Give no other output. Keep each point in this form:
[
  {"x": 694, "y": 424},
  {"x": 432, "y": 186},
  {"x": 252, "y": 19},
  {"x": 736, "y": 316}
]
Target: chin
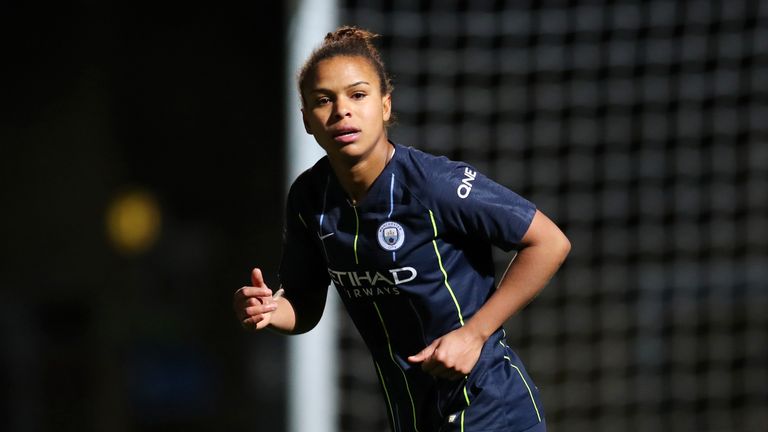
[{"x": 353, "y": 150}]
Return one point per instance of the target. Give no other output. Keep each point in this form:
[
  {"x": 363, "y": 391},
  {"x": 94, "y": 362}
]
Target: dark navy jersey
[{"x": 411, "y": 262}]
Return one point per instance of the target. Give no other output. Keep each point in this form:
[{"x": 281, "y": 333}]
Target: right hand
[{"x": 254, "y": 304}]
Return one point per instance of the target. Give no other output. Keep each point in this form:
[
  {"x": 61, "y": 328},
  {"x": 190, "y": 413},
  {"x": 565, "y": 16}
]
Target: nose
[{"x": 341, "y": 108}]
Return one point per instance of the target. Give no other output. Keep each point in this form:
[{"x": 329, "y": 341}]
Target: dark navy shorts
[{"x": 499, "y": 396}]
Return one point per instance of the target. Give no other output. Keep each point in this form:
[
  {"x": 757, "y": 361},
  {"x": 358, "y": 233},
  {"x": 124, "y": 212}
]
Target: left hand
[{"x": 451, "y": 356}]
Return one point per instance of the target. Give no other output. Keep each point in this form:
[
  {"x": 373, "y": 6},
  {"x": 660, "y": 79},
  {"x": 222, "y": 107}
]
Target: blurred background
[
  {"x": 142, "y": 155},
  {"x": 141, "y": 180}
]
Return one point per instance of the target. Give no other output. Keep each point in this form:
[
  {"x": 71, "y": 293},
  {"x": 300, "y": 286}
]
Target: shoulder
[
  {"x": 306, "y": 192},
  {"x": 311, "y": 180},
  {"x": 432, "y": 175},
  {"x": 427, "y": 162}
]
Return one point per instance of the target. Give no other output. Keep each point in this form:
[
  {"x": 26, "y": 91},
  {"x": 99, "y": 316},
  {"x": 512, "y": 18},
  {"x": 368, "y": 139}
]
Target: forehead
[{"x": 343, "y": 71}]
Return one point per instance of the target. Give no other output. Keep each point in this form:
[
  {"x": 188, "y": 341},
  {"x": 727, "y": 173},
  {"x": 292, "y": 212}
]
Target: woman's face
[{"x": 344, "y": 108}]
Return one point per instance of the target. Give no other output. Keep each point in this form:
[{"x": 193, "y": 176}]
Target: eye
[
  {"x": 358, "y": 95},
  {"x": 323, "y": 100}
]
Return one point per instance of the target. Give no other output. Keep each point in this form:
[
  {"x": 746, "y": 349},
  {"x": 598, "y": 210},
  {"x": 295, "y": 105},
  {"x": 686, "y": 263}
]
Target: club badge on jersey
[{"x": 391, "y": 236}]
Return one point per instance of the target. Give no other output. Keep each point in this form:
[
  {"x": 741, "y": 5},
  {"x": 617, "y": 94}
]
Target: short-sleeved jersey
[{"x": 411, "y": 262}]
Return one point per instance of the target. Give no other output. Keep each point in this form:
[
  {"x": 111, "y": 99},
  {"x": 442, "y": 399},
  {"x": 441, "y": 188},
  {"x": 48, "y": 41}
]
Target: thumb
[
  {"x": 423, "y": 354},
  {"x": 256, "y": 278}
]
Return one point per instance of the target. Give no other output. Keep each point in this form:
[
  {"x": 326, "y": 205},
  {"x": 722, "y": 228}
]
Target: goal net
[{"x": 641, "y": 128}]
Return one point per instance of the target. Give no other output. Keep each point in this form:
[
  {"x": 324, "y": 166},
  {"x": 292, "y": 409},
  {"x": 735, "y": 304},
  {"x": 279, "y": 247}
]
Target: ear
[
  {"x": 306, "y": 122},
  {"x": 387, "y": 105}
]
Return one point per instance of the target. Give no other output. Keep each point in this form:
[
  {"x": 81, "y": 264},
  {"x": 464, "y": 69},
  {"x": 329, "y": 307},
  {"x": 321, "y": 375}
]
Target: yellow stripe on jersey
[
  {"x": 442, "y": 269},
  {"x": 466, "y": 398},
  {"x": 526, "y": 386}
]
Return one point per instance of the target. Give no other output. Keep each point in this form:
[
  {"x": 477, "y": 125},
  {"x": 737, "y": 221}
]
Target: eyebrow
[
  {"x": 323, "y": 90},
  {"x": 358, "y": 83}
]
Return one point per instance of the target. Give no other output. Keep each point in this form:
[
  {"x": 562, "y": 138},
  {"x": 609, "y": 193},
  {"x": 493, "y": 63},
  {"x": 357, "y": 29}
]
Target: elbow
[
  {"x": 548, "y": 238},
  {"x": 562, "y": 246},
  {"x": 565, "y": 245},
  {"x": 552, "y": 248}
]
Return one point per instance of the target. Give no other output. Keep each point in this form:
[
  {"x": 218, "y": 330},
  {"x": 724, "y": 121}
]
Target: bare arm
[{"x": 544, "y": 248}]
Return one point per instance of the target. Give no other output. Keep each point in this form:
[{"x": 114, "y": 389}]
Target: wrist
[{"x": 477, "y": 330}]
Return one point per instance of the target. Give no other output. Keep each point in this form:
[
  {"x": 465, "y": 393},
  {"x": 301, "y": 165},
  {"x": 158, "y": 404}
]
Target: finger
[
  {"x": 249, "y": 306},
  {"x": 417, "y": 358},
  {"x": 252, "y": 323},
  {"x": 256, "y": 314},
  {"x": 255, "y": 301},
  {"x": 242, "y": 315},
  {"x": 260, "y": 309},
  {"x": 423, "y": 354},
  {"x": 256, "y": 278},
  {"x": 248, "y": 291},
  {"x": 240, "y": 302}
]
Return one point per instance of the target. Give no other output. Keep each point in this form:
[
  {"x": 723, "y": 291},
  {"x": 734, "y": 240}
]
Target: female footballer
[{"x": 406, "y": 239}]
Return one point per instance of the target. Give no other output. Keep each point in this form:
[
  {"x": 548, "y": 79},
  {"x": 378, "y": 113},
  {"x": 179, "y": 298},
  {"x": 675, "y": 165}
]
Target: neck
[{"x": 357, "y": 176}]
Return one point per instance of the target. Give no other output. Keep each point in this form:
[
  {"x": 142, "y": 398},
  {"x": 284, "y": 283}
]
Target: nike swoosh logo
[{"x": 323, "y": 237}]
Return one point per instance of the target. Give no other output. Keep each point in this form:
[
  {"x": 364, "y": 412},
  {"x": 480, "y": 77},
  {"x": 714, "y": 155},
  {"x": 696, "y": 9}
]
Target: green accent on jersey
[
  {"x": 386, "y": 393},
  {"x": 392, "y": 356},
  {"x": 466, "y": 398},
  {"x": 526, "y": 386},
  {"x": 442, "y": 269}
]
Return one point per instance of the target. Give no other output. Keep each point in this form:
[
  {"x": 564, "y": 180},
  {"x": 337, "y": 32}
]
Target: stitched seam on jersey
[
  {"x": 391, "y": 196},
  {"x": 357, "y": 232},
  {"x": 392, "y": 356},
  {"x": 442, "y": 269},
  {"x": 526, "y": 386},
  {"x": 325, "y": 200},
  {"x": 302, "y": 221},
  {"x": 386, "y": 393},
  {"x": 320, "y": 233},
  {"x": 392, "y": 206},
  {"x": 421, "y": 323}
]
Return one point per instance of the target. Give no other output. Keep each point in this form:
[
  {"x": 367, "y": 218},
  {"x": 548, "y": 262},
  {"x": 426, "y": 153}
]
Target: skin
[{"x": 343, "y": 96}]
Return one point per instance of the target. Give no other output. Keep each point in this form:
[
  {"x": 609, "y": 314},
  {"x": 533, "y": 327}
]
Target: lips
[{"x": 346, "y": 135}]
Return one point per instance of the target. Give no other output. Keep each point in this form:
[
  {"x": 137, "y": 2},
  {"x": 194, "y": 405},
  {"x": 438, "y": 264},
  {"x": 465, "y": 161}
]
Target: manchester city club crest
[{"x": 391, "y": 236}]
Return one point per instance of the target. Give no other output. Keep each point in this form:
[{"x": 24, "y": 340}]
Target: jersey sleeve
[
  {"x": 471, "y": 204},
  {"x": 302, "y": 267}
]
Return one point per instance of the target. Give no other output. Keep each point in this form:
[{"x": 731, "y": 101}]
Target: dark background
[
  {"x": 639, "y": 126},
  {"x": 185, "y": 103}
]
